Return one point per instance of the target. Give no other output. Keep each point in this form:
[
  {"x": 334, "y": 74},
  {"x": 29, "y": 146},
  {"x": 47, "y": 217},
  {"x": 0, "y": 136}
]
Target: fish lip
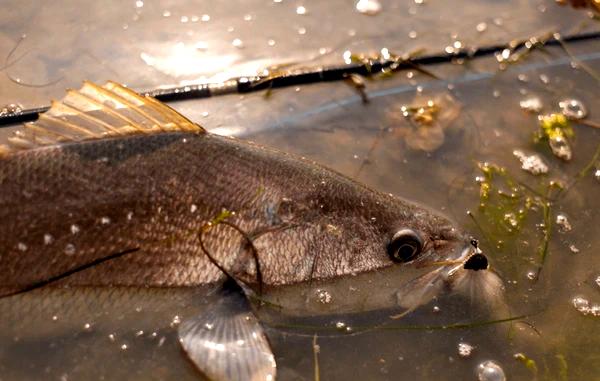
[{"x": 467, "y": 252}]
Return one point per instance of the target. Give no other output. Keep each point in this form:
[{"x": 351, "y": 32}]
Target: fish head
[{"x": 355, "y": 250}]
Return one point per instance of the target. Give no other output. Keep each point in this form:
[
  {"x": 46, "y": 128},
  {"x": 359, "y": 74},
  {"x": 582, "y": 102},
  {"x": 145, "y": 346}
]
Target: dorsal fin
[{"x": 95, "y": 112}]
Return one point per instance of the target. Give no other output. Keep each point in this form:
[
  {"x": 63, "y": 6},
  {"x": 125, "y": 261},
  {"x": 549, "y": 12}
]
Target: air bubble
[
  {"x": 323, "y": 296},
  {"x": 563, "y": 223},
  {"x": 175, "y": 321},
  {"x": 368, "y": 7},
  {"x": 531, "y": 163},
  {"x": 237, "y": 43},
  {"x": 465, "y": 350},
  {"x": 48, "y": 239},
  {"x": 11, "y": 109},
  {"x": 69, "y": 249},
  {"x": 490, "y": 371},
  {"x": 533, "y": 104},
  {"x": 573, "y": 109}
]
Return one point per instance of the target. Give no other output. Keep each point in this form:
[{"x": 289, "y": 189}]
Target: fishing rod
[{"x": 366, "y": 67}]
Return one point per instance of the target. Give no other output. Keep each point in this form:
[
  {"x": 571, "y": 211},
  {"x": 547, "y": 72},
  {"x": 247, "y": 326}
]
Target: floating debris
[
  {"x": 518, "y": 50},
  {"x": 301, "y": 10},
  {"x": 573, "y": 249},
  {"x": 490, "y": 371},
  {"x": 584, "y": 306},
  {"x": 598, "y": 280},
  {"x": 531, "y": 163},
  {"x": 597, "y": 174},
  {"x": 357, "y": 82},
  {"x": 529, "y": 363},
  {"x": 572, "y": 109},
  {"x": 556, "y": 129},
  {"x": 428, "y": 119},
  {"x": 422, "y": 114},
  {"x": 465, "y": 350},
  {"x": 368, "y": 7},
  {"x": 563, "y": 223},
  {"x": 533, "y": 104}
]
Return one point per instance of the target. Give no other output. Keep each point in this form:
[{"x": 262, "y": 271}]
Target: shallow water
[{"x": 371, "y": 142}]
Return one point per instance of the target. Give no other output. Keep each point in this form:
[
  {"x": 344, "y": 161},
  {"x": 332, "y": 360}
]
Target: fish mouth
[
  {"x": 471, "y": 258},
  {"x": 458, "y": 274}
]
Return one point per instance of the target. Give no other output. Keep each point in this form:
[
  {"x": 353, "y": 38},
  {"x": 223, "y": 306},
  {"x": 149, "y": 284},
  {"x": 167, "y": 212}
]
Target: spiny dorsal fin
[{"x": 95, "y": 112}]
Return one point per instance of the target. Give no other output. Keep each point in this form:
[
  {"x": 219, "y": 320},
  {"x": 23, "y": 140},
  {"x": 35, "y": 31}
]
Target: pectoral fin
[
  {"x": 227, "y": 342},
  {"x": 419, "y": 291}
]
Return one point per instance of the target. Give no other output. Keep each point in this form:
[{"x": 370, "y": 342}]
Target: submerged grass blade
[
  {"x": 316, "y": 351},
  {"x": 407, "y": 327},
  {"x": 563, "y": 373},
  {"x": 543, "y": 250}
]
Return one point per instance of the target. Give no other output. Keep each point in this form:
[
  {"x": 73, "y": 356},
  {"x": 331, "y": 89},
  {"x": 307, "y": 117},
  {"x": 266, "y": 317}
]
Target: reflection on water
[{"x": 544, "y": 250}]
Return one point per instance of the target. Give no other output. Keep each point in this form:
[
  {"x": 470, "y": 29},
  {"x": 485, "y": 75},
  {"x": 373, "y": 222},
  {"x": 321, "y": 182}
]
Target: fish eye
[{"x": 405, "y": 245}]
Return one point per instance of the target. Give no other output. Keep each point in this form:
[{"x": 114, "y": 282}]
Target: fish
[{"x": 112, "y": 190}]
